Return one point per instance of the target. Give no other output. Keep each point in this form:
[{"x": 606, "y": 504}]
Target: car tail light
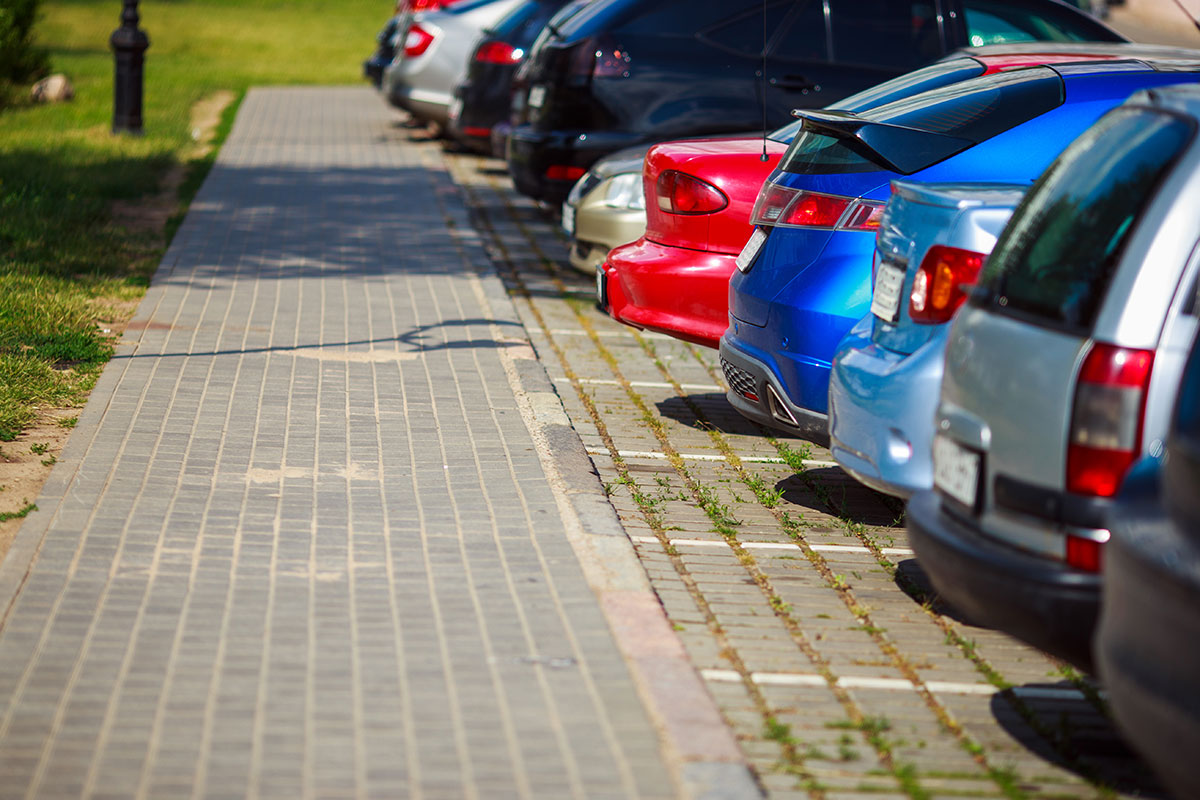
[
  {"x": 599, "y": 57},
  {"x": 937, "y": 287},
  {"x": 495, "y": 52},
  {"x": 426, "y": 5},
  {"x": 786, "y": 207},
  {"x": 564, "y": 172},
  {"x": 417, "y": 40},
  {"x": 1106, "y": 422},
  {"x": 680, "y": 193},
  {"x": 477, "y": 131},
  {"x": 1084, "y": 554}
]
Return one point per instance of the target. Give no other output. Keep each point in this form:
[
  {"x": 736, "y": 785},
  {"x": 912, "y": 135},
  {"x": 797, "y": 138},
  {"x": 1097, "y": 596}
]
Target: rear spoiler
[{"x": 893, "y": 147}]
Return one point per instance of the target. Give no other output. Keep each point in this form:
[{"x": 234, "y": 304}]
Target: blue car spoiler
[{"x": 894, "y": 147}]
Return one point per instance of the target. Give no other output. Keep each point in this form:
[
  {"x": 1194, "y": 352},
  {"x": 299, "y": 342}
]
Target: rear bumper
[
  {"x": 1039, "y": 601},
  {"x": 683, "y": 293},
  {"x": 747, "y": 373},
  {"x": 881, "y": 409},
  {"x": 531, "y": 152},
  {"x": 1145, "y": 646}
]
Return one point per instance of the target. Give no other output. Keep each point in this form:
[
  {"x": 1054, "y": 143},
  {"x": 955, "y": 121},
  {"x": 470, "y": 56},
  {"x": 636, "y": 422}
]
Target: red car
[{"x": 700, "y": 192}]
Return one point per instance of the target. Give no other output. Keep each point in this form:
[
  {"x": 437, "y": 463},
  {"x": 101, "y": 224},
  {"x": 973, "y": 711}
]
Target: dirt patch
[{"x": 26, "y": 463}]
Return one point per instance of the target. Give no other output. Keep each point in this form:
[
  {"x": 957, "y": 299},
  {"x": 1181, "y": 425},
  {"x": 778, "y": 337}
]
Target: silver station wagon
[{"x": 1061, "y": 371}]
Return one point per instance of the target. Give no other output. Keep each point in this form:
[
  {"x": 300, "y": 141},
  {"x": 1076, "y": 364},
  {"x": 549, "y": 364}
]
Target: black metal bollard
[{"x": 128, "y": 43}]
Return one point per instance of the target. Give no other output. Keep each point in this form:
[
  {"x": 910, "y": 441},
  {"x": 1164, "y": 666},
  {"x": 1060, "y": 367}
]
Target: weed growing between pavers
[{"x": 838, "y": 497}]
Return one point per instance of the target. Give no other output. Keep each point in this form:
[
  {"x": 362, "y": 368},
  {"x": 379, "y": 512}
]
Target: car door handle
[{"x": 796, "y": 83}]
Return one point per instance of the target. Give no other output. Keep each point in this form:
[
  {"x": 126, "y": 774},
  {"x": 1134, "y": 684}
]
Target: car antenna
[
  {"x": 764, "y": 158},
  {"x": 1184, "y": 9}
]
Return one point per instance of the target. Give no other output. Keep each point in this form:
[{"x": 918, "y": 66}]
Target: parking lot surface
[{"x": 791, "y": 586}]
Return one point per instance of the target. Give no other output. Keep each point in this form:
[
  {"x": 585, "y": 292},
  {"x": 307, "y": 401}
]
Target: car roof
[
  {"x": 1184, "y": 98},
  {"x": 1014, "y": 52}
]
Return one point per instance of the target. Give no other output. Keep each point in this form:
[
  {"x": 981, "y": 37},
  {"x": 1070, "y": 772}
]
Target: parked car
[
  {"x": 482, "y": 99},
  {"x": 605, "y": 208},
  {"x": 696, "y": 250},
  {"x": 1146, "y": 646},
  {"x": 433, "y": 59},
  {"x": 385, "y": 51},
  {"x": 617, "y": 73},
  {"x": 805, "y": 275},
  {"x": 1061, "y": 371},
  {"x": 887, "y": 372}
]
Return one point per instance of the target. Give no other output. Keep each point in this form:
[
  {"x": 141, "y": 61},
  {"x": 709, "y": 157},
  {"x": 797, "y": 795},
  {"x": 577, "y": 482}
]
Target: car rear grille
[{"x": 739, "y": 380}]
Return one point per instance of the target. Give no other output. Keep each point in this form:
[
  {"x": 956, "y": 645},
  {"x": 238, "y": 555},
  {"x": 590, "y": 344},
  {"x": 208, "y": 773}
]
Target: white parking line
[
  {"x": 699, "y": 387},
  {"x": 600, "y": 451},
  {"x": 886, "y": 684},
  {"x": 820, "y": 548}
]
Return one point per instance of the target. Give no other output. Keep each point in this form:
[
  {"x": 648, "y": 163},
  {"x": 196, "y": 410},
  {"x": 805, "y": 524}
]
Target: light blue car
[{"x": 887, "y": 371}]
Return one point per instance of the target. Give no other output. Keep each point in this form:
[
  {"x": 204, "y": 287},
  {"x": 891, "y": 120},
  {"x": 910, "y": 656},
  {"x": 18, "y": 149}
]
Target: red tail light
[
  {"x": 680, "y": 193},
  {"x": 417, "y": 40},
  {"x": 498, "y": 53},
  {"x": 796, "y": 208},
  {"x": 425, "y": 5},
  {"x": 937, "y": 287},
  {"x": 564, "y": 172},
  {"x": 1106, "y": 422},
  {"x": 1084, "y": 554}
]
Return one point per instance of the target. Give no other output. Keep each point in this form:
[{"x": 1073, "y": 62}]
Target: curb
[{"x": 698, "y": 745}]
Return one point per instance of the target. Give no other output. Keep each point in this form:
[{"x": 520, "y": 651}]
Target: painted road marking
[
  {"x": 700, "y": 387},
  {"x": 820, "y": 548},
  {"x": 600, "y": 451},
  {"x": 890, "y": 684}
]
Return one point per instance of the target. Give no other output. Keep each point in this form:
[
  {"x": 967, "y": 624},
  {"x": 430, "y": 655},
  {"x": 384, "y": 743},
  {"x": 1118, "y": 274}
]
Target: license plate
[
  {"x": 601, "y": 288},
  {"x": 885, "y": 302},
  {"x": 455, "y": 109},
  {"x": 568, "y": 219},
  {"x": 750, "y": 251},
  {"x": 956, "y": 470},
  {"x": 537, "y": 96}
]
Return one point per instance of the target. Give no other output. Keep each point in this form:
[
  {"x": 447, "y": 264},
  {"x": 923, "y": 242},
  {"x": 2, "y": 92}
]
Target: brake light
[
  {"x": 495, "y": 52},
  {"x": 937, "y": 287},
  {"x": 1084, "y": 553},
  {"x": 564, "y": 172},
  {"x": 417, "y": 40},
  {"x": 599, "y": 58},
  {"x": 1106, "y": 422},
  {"x": 786, "y": 207},
  {"x": 680, "y": 193}
]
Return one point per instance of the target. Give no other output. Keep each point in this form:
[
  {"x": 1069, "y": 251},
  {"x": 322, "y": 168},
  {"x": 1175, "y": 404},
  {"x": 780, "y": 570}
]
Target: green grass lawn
[{"x": 64, "y": 264}]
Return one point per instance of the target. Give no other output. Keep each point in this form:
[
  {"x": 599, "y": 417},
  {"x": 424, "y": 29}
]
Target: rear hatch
[
  {"x": 944, "y": 230},
  {"x": 1045, "y": 400},
  {"x": 849, "y": 154}
]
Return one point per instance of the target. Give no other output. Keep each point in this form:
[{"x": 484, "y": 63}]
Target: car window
[
  {"x": 523, "y": 23},
  {"x": 1056, "y": 258},
  {"x": 974, "y": 110},
  {"x": 792, "y": 29},
  {"x": 885, "y": 33},
  {"x": 1000, "y": 21},
  {"x": 687, "y": 17}
]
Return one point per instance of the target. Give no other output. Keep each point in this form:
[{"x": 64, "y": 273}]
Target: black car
[
  {"x": 385, "y": 51},
  {"x": 1147, "y": 648},
  {"x": 617, "y": 73},
  {"x": 482, "y": 100}
]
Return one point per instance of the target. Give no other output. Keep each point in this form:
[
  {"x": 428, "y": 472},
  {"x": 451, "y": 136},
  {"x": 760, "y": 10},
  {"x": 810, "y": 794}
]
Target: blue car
[
  {"x": 887, "y": 372},
  {"x": 804, "y": 277}
]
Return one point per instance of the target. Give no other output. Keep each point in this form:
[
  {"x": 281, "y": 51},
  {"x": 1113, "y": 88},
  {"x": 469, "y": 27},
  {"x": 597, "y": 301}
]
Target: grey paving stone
[{"x": 309, "y": 532}]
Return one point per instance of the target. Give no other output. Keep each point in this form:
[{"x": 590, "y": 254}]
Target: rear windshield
[
  {"x": 1055, "y": 259},
  {"x": 525, "y": 22},
  {"x": 976, "y": 110}
]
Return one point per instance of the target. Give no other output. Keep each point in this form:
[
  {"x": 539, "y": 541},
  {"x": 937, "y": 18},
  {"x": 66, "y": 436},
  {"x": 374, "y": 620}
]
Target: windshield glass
[{"x": 1055, "y": 259}]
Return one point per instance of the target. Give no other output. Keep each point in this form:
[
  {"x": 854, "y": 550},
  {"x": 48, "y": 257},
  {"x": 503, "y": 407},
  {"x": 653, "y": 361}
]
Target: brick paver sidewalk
[{"x": 302, "y": 544}]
